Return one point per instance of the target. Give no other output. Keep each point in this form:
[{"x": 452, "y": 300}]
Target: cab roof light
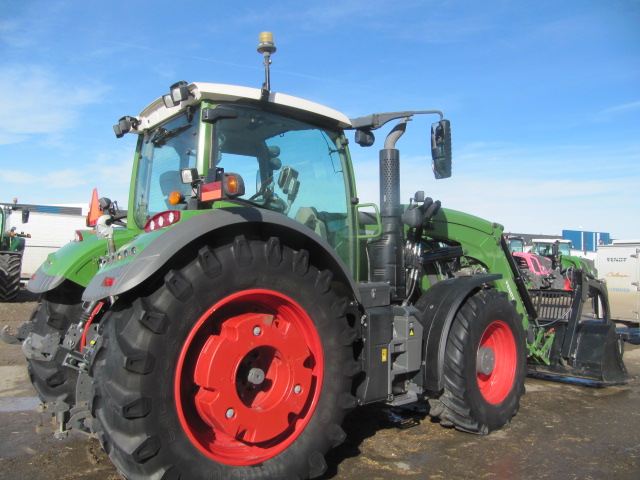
[
  {"x": 178, "y": 92},
  {"x": 266, "y": 47},
  {"x": 125, "y": 125}
]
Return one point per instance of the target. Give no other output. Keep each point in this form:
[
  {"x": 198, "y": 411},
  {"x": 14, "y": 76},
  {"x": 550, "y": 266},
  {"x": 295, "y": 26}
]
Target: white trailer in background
[
  {"x": 618, "y": 264},
  {"x": 50, "y": 227}
]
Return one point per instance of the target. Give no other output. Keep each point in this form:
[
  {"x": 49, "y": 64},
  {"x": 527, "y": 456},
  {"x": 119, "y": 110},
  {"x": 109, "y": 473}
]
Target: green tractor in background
[
  {"x": 12, "y": 245},
  {"x": 559, "y": 252},
  {"x": 246, "y": 301}
]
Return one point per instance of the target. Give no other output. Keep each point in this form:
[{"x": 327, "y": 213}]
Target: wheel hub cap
[
  {"x": 486, "y": 360},
  {"x": 255, "y": 375},
  {"x": 249, "y": 377}
]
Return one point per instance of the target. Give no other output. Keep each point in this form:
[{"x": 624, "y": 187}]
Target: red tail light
[{"x": 162, "y": 220}]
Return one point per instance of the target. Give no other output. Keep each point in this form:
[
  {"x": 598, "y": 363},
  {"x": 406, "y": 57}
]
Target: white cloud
[
  {"x": 17, "y": 176},
  {"x": 12, "y": 34},
  {"x": 67, "y": 178},
  {"x": 626, "y": 107},
  {"x": 39, "y": 102},
  {"x": 528, "y": 189}
]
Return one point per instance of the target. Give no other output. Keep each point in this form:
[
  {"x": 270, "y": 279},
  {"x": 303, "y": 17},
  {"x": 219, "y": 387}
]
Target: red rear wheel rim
[
  {"x": 496, "y": 385},
  {"x": 249, "y": 377}
]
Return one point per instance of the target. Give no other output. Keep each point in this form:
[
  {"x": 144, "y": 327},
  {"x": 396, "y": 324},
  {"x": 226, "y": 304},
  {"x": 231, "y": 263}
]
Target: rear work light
[{"x": 162, "y": 220}]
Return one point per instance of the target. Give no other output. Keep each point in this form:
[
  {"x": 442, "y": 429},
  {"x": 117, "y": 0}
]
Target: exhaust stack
[{"x": 387, "y": 254}]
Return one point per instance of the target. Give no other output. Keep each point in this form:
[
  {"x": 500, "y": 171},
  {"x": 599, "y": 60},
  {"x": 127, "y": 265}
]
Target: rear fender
[
  {"x": 76, "y": 261},
  {"x": 439, "y": 305},
  {"x": 209, "y": 228}
]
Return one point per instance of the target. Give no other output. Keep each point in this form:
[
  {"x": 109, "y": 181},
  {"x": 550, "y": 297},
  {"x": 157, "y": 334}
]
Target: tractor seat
[{"x": 309, "y": 216}]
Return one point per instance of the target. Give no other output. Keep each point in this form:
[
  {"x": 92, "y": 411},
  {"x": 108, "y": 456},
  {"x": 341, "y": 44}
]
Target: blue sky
[{"x": 544, "y": 96}]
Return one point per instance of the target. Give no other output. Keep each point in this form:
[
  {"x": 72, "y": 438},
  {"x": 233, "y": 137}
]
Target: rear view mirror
[
  {"x": 441, "y": 149},
  {"x": 365, "y": 137},
  {"x": 25, "y": 216}
]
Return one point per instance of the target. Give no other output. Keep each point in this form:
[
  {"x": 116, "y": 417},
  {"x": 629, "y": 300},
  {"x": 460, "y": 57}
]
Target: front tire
[
  {"x": 485, "y": 365},
  {"x": 233, "y": 368}
]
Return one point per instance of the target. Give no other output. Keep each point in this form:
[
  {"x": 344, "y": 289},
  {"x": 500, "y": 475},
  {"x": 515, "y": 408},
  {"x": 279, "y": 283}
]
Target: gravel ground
[{"x": 561, "y": 432}]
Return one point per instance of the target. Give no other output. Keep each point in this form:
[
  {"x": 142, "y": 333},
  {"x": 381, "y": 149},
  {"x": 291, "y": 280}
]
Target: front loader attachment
[{"x": 585, "y": 345}]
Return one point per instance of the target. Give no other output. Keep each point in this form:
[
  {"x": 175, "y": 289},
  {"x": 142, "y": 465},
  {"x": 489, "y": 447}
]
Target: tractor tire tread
[
  {"x": 55, "y": 312},
  {"x": 10, "y": 266},
  {"x": 133, "y": 423},
  {"x": 455, "y": 406}
]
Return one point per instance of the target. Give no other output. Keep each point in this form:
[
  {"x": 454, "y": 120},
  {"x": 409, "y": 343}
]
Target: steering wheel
[
  {"x": 271, "y": 200},
  {"x": 265, "y": 191}
]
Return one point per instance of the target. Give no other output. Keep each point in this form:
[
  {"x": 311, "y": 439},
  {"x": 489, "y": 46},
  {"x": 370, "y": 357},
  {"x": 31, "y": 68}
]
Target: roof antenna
[{"x": 266, "y": 47}]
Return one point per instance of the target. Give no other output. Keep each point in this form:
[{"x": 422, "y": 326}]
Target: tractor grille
[{"x": 552, "y": 304}]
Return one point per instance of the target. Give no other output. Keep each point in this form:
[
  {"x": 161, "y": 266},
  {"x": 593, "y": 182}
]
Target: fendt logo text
[{"x": 623, "y": 259}]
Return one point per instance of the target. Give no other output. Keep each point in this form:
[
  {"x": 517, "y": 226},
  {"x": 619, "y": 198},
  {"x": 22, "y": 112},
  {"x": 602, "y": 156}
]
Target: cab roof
[{"x": 157, "y": 112}]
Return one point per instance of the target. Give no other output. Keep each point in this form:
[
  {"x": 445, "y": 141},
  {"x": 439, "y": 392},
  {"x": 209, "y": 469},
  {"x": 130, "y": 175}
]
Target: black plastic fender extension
[{"x": 439, "y": 305}]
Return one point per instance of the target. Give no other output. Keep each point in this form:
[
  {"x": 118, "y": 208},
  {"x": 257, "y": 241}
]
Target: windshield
[
  {"x": 163, "y": 152},
  {"x": 516, "y": 245},
  {"x": 290, "y": 167},
  {"x": 546, "y": 249}
]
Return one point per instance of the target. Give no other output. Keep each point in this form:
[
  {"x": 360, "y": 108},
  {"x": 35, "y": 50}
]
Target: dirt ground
[{"x": 561, "y": 432}]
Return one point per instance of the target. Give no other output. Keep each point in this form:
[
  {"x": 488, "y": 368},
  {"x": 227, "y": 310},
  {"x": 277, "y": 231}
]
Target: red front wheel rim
[
  {"x": 496, "y": 379},
  {"x": 249, "y": 377}
]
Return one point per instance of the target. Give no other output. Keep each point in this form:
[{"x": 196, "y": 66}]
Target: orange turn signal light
[
  {"x": 176, "y": 197},
  {"x": 233, "y": 185}
]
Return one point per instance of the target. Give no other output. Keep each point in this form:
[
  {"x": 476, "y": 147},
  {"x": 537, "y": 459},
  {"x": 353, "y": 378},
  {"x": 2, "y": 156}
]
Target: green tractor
[
  {"x": 12, "y": 245},
  {"x": 559, "y": 252},
  {"x": 246, "y": 301}
]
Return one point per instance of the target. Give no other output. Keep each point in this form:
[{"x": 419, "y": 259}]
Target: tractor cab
[
  {"x": 516, "y": 244},
  {"x": 222, "y": 147}
]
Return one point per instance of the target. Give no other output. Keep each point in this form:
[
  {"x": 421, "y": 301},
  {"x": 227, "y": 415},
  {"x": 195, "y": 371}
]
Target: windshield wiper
[{"x": 161, "y": 136}]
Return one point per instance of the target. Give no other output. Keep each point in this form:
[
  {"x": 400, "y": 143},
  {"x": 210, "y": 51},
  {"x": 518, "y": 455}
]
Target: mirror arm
[{"x": 377, "y": 120}]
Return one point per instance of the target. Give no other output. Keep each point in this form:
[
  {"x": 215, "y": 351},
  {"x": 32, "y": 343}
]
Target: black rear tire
[
  {"x": 193, "y": 337},
  {"x": 485, "y": 365},
  {"x": 10, "y": 266},
  {"x": 56, "y": 310}
]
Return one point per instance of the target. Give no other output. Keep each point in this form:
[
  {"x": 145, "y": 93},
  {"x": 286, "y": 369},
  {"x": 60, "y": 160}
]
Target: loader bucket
[
  {"x": 585, "y": 347},
  {"x": 597, "y": 361},
  {"x": 599, "y": 353}
]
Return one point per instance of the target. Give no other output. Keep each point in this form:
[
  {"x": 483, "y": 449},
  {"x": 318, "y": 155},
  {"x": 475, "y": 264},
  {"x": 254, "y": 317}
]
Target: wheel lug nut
[
  {"x": 297, "y": 389},
  {"x": 257, "y": 331},
  {"x": 230, "y": 413}
]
